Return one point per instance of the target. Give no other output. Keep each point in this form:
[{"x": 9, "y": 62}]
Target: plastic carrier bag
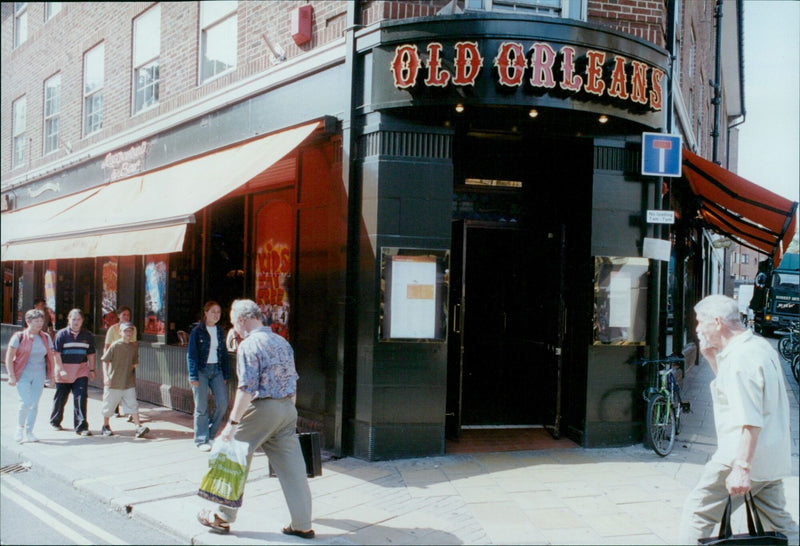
[{"x": 227, "y": 473}]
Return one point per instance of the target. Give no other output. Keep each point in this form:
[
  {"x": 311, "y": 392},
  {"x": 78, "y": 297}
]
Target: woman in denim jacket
[{"x": 208, "y": 370}]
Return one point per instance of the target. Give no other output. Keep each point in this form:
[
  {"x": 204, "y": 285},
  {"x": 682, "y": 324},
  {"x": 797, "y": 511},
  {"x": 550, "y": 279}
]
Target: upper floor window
[
  {"x": 51, "y": 9},
  {"x": 20, "y": 23},
  {"x": 52, "y": 109},
  {"x": 146, "y": 51},
  {"x": 18, "y": 131},
  {"x": 745, "y": 258},
  {"x": 93, "y": 77},
  {"x": 572, "y": 9},
  {"x": 218, "y": 23}
]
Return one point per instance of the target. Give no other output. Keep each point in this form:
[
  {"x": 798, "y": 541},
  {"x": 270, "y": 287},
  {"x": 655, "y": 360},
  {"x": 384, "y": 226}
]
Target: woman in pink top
[{"x": 29, "y": 362}]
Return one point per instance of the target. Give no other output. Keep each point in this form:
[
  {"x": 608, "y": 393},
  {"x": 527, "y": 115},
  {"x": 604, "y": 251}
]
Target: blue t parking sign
[{"x": 661, "y": 154}]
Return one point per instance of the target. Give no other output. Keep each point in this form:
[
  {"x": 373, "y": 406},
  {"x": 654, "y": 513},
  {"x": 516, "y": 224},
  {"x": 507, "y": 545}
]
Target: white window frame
[
  {"x": 51, "y": 9},
  {"x": 145, "y": 58},
  {"x": 91, "y": 110},
  {"x": 20, "y": 23},
  {"x": 551, "y": 8},
  {"x": 52, "y": 114},
  {"x": 18, "y": 122},
  {"x": 210, "y": 21}
]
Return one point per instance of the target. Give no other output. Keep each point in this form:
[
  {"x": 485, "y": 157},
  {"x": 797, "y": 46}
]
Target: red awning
[{"x": 747, "y": 213}]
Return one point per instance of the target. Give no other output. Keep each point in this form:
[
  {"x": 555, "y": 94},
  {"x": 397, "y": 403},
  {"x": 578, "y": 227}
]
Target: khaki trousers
[
  {"x": 270, "y": 424},
  {"x": 704, "y": 506}
]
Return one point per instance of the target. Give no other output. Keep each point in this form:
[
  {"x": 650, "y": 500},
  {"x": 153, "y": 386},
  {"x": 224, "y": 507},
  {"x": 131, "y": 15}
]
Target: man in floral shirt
[{"x": 264, "y": 415}]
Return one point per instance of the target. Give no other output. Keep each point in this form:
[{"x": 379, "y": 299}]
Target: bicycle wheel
[
  {"x": 785, "y": 347},
  {"x": 660, "y": 425},
  {"x": 796, "y": 367}
]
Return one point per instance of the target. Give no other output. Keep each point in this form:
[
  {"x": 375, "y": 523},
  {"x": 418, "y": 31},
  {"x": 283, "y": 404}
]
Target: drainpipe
[
  {"x": 717, "y": 83},
  {"x": 347, "y": 352}
]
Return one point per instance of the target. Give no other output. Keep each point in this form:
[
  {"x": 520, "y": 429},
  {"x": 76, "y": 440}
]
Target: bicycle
[
  {"x": 789, "y": 343},
  {"x": 664, "y": 404}
]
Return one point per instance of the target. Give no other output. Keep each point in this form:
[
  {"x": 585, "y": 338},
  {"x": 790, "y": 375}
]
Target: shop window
[
  {"x": 52, "y": 110},
  {"x": 155, "y": 294},
  {"x": 146, "y": 51},
  {"x": 18, "y": 144},
  {"x": 20, "y": 23},
  {"x": 620, "y": 305},
  {"x": 109, "y": 274},
  {"x": 218, "y": 38},
  {"x": 93, "y": 78},
  {"x": 51, "y": 9},
  {"x": 8, "y": 293},
  {"x": 745, "y": 258}
]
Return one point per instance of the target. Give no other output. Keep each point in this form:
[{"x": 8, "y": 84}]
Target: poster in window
[
  {"x": 50, "y": 280},
  {"x": 108, "y": 305},
  {"x": 620, "y": 307},
  {"x": 155, "y": 278},
  {"x": 414, "y": 288},
  {"x": 275, "y": 228}
]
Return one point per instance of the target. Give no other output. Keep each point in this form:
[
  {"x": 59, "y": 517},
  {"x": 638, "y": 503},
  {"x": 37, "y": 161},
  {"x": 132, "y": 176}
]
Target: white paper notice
[
  {"x": 619, "y": 301},
  {"x": 413, "y": 313}
]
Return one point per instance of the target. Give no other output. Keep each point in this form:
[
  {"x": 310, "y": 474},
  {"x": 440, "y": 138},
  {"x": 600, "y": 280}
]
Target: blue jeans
[
  {"x": 206, "y": 426},
  {"x": 29, "y": 387}
]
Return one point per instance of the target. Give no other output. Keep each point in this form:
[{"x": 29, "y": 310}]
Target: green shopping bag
[{"x": 227, "y": 473}]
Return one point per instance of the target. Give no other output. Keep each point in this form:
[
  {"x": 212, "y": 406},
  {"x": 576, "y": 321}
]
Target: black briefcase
[
  {"x": 312, "y": 454},
  {"x": 755, "y": 535}
]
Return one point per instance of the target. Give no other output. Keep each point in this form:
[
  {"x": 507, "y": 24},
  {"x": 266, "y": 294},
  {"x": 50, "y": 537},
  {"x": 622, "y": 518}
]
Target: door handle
[{"x": 457, "y": 318}]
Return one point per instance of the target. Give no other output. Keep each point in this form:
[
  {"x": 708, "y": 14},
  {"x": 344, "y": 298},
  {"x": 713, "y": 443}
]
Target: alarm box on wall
[{"x": 301, "y": 24}]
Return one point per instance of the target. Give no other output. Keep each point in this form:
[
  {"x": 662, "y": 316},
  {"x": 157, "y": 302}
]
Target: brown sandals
[{"x": 213, "y": 521}]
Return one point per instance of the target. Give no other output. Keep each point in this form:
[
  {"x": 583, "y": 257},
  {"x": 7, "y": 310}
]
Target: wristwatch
[{"x": 741, "y": 463}]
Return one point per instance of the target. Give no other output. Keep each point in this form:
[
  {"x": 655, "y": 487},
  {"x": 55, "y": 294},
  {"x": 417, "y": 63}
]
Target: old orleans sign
[{"x": 595, "y": 74}]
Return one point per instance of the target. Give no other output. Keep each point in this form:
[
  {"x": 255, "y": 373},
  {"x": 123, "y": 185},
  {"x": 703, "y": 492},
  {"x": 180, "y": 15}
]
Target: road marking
[{"x": 53, "y": 522}]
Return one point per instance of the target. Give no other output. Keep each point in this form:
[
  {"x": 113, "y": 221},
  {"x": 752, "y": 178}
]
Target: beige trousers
[
  {"x": 705, "y": 504},
  {"x": 270, "y": 424}
]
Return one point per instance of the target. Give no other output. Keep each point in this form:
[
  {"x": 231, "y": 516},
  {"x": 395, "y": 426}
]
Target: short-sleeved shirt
[
  {"x": 121, "y": 357},
  {"x": 749, "y": 391},
  {"x": 265, "y": 365},
  {"x": 74, "y": 351},
  {"x": 38, "y": 357}
]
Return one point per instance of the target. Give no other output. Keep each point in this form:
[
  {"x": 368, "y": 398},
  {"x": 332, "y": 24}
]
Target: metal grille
[{"x": 15, "y": 468}]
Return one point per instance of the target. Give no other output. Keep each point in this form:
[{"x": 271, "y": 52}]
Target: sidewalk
[{"x": 569, "y": 496}]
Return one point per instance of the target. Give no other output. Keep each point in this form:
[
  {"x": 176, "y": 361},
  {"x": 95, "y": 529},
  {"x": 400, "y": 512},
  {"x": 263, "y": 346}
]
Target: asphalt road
[{"x": 38, "y": 509}]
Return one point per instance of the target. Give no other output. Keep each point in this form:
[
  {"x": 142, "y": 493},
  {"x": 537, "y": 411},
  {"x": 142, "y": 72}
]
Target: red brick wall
[{"x": 642, "y": 18}]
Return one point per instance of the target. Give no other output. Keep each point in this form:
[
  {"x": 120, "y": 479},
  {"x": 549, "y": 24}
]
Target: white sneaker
[
  {"x": 18, "y": 435},
  {"x": 31, "y": 437},
  {"x": 204, "y": 447}
]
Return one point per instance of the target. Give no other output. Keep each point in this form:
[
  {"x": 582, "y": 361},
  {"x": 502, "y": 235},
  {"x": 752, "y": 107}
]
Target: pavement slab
[{"x": 623, "y": 495}]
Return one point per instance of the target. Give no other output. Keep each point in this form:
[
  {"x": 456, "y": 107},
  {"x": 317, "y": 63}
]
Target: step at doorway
[{"x": 491, "y": 439}]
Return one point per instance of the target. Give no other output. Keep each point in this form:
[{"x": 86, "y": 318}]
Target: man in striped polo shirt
[{"x": 74, "y": 365}]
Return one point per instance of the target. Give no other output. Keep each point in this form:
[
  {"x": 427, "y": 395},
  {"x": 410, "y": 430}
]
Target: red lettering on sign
[
  {"x": 656, "y": 76},
  {"x": 405, "y": 66},
  {"x": 571, "y": 81},
  {"x": 436, "y": 76},
  {"x": 510, "y": 63},
  {"x": 618, "y": 88},
  {"x": 594, "y": 72},
  {"x": 468, "y": 63},
  {"x": 542, "y": 64},
  {"x": 639, "y": 82}
]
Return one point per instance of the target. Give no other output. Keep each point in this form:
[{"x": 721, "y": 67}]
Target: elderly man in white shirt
[{"x": 751, "y": 416}]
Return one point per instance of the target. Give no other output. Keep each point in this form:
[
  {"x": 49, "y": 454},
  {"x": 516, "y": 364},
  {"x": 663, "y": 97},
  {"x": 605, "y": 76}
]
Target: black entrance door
[{"x": 505, "y": 301}]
